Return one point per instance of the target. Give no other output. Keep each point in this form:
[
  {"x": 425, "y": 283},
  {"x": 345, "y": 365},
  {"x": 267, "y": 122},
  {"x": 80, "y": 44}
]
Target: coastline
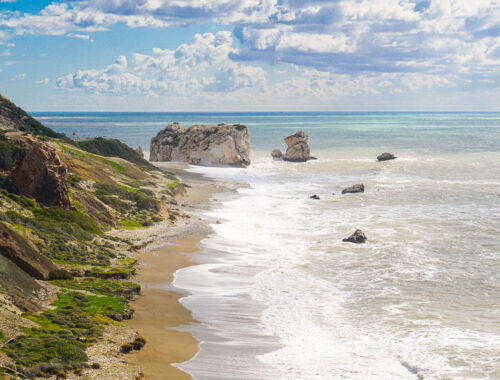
[{"x": 159, "y": 315}]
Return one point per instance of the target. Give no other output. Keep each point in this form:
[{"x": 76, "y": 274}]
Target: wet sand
[{"x": 158, "y": 313}]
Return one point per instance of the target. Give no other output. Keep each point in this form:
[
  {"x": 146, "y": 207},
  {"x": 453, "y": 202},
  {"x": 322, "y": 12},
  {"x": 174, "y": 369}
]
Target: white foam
[{"x": 420, "y": 299}]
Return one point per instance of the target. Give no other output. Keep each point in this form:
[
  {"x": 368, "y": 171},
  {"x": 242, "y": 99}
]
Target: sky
[{"x": 251, "y": 55}]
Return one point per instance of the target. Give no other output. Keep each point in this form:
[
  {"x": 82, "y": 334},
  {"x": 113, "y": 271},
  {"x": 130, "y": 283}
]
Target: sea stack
[
  {"x": 206, "y": 145},
  {"x": 298, "y": 148}
]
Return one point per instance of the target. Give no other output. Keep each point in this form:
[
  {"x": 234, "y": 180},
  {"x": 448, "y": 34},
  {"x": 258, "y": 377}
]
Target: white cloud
[
  {"x": 42, "y": 81},
  {"x": 19, "y": 76},
  {"x": 5, "y": 53},
  {"x": 201, "y": 65}
]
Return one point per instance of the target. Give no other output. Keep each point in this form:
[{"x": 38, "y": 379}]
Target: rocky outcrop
[
  {"x": 357, "y": 237},
  {"x": 17, "y": 250},
  {"x": 40, "y": 174},
  {"x": 315, "y": 196},
  {"x": 358, "y": 188},
  {"x": 386, "y": 156},
  {"x": 298, "y": 148},
  {"x": 207, "y": 145},
  {"x": 276, "y": 153},
  {"x": 22, "y": 289},
  {"x": 140, "y": 152}
]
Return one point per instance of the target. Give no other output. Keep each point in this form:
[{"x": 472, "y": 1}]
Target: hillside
[{"x": 65, "y": 263}]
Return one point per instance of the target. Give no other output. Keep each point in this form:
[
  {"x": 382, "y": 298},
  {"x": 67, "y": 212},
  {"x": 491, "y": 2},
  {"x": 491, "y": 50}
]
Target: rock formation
[
  {"x": 276, "y": 153},
  {"x": 315, "y": 196},
  {"x": 358, "y": 188},
  {"x": 357, "y": 237},
  {"x": 16, "y": 249},
  {"x": 140, "y": 152},
  {"x": 207, "y": 145},
  {"x": 298, "y": 148},
  {"x": 40, "y": 174},
  {"x": 386, "y": 156}
]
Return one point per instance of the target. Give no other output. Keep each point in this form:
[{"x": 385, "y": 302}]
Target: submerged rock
[
  {"x": 386, "y": 156},
  {"x": 358, "y": 188},
  {"x": 315, "y": 197},
  {"x": 357, "y": 237},
  {"x": 208, "y": 145},
  {"x": 298, "y": 148},
  {"x": 276, "y": 153},
  {"x": 41, "y": 174}
]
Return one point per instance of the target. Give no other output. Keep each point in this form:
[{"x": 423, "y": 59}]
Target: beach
[{"x": 159, "y": 315}]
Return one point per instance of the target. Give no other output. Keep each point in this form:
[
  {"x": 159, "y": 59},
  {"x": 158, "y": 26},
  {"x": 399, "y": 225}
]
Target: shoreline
[{"x": 167, "y": 342}]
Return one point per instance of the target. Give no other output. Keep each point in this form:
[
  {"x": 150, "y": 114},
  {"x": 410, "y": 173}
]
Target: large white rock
[{"x": 207, "y": 145}]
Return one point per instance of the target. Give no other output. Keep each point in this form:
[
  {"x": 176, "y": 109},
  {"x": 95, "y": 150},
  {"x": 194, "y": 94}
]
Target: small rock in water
[
  {"x": 357, "y": 237},
  {"x": 358, "y": 188},
  {"x": 386, "y": 156},
  {"x": 276, "y": 153},
  {"x": 314, "y": 197}
]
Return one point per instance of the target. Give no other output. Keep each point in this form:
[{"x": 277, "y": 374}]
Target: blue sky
[{"x": 251, "y": 55}]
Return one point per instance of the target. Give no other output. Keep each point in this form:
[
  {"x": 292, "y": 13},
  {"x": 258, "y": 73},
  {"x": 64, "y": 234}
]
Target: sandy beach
[{"x": 158, "y": 312}]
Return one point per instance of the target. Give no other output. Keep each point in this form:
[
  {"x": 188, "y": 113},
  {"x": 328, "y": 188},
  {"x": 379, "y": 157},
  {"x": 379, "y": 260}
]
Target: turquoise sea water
[
  {"x": 444, "y": 132},
  {"x": 278, "y": 294}
]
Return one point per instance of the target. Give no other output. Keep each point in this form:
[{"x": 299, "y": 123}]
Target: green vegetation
[
  {"x": 102, "y": 286},
  {"x": 239, "y": 127},
  {"x": 114, "y": 148},
  {"x": 23, "y": 121},
  {"x": 9, "y": 152},
  {"x": 59, "y": 344}
]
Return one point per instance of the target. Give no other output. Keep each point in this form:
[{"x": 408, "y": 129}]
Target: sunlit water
[{"x": 279, "y": 295}]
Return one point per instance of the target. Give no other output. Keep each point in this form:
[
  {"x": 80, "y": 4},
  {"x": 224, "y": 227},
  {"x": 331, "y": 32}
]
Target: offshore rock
[
  {"x": 357, "y": 237},
  {"x": 298, "y": 148},
  {"x": 386, "y": 156},
  {"x": 140, "y": 152},
  {"x": 358, "y": 188},
  {"x": 15, "y": 248},
  {"x": 276, "y": 153},
  {"x": 40, "y": 174},
  {"x": 207, "y": 145}
]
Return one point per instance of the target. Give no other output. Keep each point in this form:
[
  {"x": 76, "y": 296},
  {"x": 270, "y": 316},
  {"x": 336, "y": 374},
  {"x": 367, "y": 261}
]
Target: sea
[{"x": 278, "y": 295}]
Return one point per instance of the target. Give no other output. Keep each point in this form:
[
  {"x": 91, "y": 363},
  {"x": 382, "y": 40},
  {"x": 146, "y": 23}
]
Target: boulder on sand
[
  {"x": 386, "y": 156},
  {"x": 358, "y": 188},
  {"x": 298, "y": 148},
  {"x": 357, "y": 237},
  {"x": 207, "y": 145}
]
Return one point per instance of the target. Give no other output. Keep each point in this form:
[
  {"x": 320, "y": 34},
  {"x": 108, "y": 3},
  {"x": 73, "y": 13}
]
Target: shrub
[
  {"x": 126, "y": 348},
  {"x": 60, "y": 274}
]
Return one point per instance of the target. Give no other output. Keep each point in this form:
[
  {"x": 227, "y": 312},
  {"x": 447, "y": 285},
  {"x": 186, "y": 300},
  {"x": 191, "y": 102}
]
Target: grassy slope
[{"x": 108, "y": 193}]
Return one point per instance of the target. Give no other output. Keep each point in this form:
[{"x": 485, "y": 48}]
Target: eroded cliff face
[
  {"x": 40, "y": 174},
  {"x": 207, "y": 145}
]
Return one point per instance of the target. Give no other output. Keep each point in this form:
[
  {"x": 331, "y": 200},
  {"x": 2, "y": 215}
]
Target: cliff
[
  {"x": 66, "y": 263},
  {"x": 207, "y": 145}
]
